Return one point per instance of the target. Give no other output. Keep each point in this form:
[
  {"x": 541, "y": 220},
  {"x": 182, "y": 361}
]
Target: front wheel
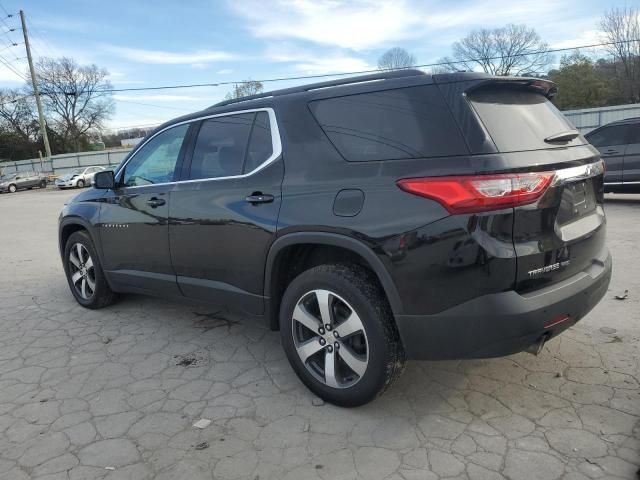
[
  {"x": 13, "y": 188},
  {"x": 84, "y": 272},
  {"x": 43, "y": 184},
  {"x": 80, "y": 183},
  {"x": 339, "y": 335}
]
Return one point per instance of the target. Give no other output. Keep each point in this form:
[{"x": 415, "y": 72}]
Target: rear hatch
[{"x": 562, "y": 233}]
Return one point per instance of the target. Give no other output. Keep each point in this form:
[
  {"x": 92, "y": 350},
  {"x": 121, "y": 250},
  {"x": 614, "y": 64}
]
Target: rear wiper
[{"x": 562, "y": 136}]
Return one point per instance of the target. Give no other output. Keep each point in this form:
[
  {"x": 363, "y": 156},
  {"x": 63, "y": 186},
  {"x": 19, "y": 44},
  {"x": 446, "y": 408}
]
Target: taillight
[{"x": 480, "y": 193}]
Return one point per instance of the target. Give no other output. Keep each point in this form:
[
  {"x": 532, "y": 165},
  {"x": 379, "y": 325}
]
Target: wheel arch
[
  {"x": 284, "y": 244},
  {"x": 70, "y": 225}
]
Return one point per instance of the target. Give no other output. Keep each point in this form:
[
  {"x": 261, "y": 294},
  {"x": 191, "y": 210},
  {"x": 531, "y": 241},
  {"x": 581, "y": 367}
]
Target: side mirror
[{"x": 104, "y": 180}]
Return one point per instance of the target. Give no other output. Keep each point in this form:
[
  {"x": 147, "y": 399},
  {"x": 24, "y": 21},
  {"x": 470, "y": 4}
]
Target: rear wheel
[
  {"x": 84, "y": 272},
  {"x": 12, "y": 188},
  {"x": 43, "y": 184},
  {"x": 80, "y": 183},
  {"x": 338, "y": 332}
]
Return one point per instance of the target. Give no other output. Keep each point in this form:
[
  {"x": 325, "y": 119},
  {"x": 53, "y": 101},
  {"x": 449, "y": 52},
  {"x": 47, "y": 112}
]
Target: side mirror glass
[{"x": 104, "y": 180}]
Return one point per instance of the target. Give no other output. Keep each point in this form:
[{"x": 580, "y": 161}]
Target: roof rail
[{"x": 386, "y": 75}]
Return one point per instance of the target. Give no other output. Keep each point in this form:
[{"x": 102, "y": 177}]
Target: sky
[{"x": 152, "y": 43}]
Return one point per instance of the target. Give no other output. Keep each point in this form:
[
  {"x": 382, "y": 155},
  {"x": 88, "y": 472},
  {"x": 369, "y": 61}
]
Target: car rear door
[
  {"x": 611, "y": 142},
  {"x": 223, "y": 215},
  {"x": 632, "y": 156},
  {"x": 134, "y": 216}
]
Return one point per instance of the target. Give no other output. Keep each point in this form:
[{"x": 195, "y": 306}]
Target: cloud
[
  {"x": 311, "y": 62},
  {"x": 367, "y": 24},
  {"x": 224, "y": 71},
  {"x": 167, "y": 58},
  {"x": 587, "y": 37},
  {"x": 357, "y": 25}
]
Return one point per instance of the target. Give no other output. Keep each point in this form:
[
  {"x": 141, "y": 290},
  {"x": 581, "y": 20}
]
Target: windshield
[{"x": 77, "y": 171}]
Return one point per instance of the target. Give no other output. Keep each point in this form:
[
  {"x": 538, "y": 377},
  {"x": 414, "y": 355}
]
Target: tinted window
[
  {"x": 614, "y": 135},
  {"x": 221, "y": 146},
  {"x": 404, "y": 123},
  {"x": 156, "y": 161},
  {"x": 260, "y": 144},
  {"x": 634, "y": 133},
  {"x": 519, "y": 119}
]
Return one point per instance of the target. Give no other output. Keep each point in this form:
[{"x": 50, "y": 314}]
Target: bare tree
[
  {"x": 76, "y": 98},
  {"x": 621, "y": 27},
  {"x": 510, "y": 50},
  {"x": 396, "y": 59},
  {"x": 17, "y": 115},
  {"x": 244, "y": 89}
]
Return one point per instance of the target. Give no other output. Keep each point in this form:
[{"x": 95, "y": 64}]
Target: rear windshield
[
  {"x": 412, "y": 122},
  {"x": 518, "y": 118}
]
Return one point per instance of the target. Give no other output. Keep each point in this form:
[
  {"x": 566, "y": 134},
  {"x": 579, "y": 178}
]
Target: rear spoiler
[{"x": 545, "y": 87}]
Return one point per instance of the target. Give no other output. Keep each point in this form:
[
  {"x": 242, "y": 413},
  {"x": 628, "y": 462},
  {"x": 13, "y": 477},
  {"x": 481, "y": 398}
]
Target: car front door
[
  {"x": 632, "y": 156},
  {"x": 611, "y": 142},
  {"x": 223, "y": 218},
  {"x": 133, "y": 216}
]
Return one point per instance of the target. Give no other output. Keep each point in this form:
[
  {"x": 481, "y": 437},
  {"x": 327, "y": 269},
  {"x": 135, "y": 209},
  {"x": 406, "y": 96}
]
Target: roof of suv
[{"x": 262, "y": 100}]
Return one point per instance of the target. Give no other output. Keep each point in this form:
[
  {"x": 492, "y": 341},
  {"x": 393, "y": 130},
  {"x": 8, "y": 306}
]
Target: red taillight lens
[{"x": 480, "y": 193}]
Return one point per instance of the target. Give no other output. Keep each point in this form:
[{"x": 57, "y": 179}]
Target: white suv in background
[{"x": 78, "y": 178}]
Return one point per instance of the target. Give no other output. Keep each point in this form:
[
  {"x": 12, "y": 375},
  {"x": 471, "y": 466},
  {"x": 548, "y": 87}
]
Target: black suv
[
  {"x": 371, "y": 219},
  {"x": 619, "y": 145}
]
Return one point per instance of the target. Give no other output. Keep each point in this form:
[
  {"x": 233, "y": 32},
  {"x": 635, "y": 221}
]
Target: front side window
[
  {"x": 156, "y": 161},
  {"x": 221, "y": 146}
]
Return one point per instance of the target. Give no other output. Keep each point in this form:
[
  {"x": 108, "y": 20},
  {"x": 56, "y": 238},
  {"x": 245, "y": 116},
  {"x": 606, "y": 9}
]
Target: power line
[
  {"x": 152, "y": 105},
  {"x": 7, "y": 64},
  {"x": 5, "y": 11},
  {"x": 360, "y": 72},
  {"x": 41, "y": 38}
]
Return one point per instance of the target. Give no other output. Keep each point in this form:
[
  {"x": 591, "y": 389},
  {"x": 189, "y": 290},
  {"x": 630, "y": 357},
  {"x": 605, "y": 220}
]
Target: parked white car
[{"x": 78, "y": 178}]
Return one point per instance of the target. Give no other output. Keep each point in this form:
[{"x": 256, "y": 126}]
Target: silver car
[
  {"x": 17, "y": 181},
  {"x": 78, "y": 178}
]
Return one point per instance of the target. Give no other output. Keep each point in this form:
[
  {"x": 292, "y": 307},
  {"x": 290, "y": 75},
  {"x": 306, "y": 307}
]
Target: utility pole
[{"x": 43, "y": 126}]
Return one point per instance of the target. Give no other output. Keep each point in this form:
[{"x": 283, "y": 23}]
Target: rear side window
[
  {"x": 613, "y": 135},
  {"x": 221, "y": 146},
  {"x": 393, "y": 124},
  {"x": 519, "y": 118},
  {"x": 260, "y": 144}
]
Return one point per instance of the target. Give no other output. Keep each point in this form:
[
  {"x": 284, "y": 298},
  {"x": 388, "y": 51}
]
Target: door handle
[
  {"x": 610, "y": 151},
  {"x": 257, "y": 197},
  {"x": 155, "y": 202}
]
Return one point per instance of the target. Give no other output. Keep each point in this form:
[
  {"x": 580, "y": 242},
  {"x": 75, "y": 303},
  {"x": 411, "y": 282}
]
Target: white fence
[
  {"x": 588, "y": 119},
  {"x": 59, "y": 164}
]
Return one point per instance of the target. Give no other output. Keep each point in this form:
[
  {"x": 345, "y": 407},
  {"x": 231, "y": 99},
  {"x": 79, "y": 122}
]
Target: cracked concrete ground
[{"x": 114, "y": 393}]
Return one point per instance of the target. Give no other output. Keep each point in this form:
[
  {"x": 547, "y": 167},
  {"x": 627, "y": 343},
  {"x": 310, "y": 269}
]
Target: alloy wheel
[
  {"x": 330, "y": 339},
  {"x": 82, "y": 271}
]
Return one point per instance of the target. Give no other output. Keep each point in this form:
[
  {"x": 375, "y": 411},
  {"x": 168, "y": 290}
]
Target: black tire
[
  {"x": 43, "y": 184},
  {"x": 12, "y": 188},
  {"x": 358, "y": 289},
  {"x": 101, "y": 295},
  {"x": 80, "y": 183}
]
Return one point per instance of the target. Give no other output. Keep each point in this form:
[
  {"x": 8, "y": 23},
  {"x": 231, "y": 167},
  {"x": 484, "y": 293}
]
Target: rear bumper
[{"x": 507, "y": 322}]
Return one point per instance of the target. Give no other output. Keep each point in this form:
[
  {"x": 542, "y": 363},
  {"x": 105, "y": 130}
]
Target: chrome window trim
[{"x": 276, "y": 145}]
